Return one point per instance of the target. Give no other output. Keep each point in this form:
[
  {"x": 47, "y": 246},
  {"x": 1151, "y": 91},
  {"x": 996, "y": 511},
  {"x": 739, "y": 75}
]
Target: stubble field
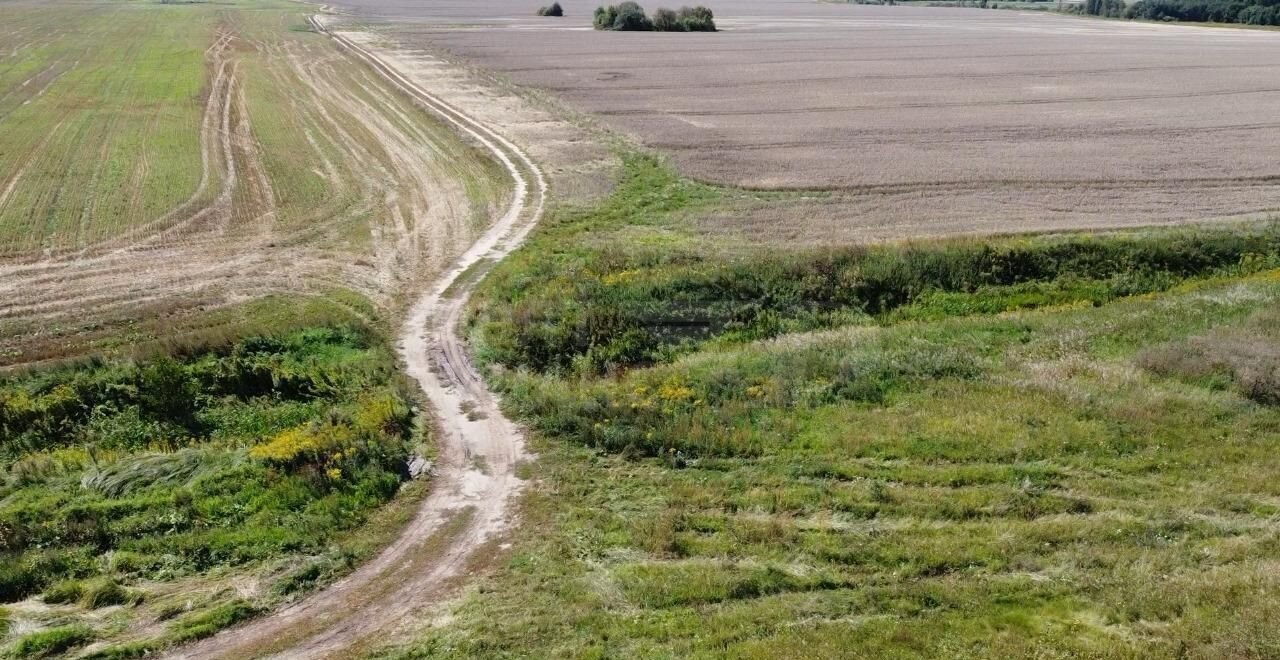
[
  {"x": 159, "y": 160},
  {"x": 916, "y": 121}
]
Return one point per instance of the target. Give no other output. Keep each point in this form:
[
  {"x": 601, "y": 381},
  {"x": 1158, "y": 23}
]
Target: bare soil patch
[{"x": 923, "y": 120}]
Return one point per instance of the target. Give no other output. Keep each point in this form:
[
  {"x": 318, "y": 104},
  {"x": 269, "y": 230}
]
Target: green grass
[
  {"x": 1073, "y": 459},
  {"x": 100, "y": 97},
  {"x": 126, "y": 482},
  {"x": 52, "y": 641},
  {"x": 102, "y": 106},
  {"x": 576, "y": 302},
  {"x": 178, "y": 326}
]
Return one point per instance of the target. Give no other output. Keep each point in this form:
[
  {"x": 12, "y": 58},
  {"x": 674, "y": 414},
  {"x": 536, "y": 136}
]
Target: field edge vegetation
[
  {"x": 1070, "y": 457},
  {"x": 144, "y": 491}
]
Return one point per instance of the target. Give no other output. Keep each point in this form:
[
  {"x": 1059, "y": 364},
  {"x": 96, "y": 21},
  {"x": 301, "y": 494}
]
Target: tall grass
[
  {"x": 593, "y": 309},
  {"x": 52, "y": 641},
  {"x": 1053, "y": 446},
  {"x": 976, "y": 484},
  {"x": 176, "y": 466}
]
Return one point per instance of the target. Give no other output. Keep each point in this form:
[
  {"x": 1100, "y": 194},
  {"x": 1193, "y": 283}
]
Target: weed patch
[{"x": 121, "y": 473}]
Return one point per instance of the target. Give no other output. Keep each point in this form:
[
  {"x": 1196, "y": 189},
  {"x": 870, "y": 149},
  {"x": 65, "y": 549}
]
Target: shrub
[
  {"x": 1259, "y": 15},
  {"x": 696, "y": 19},
  {"x": 554, "y": 10},
  {"x": 1263, "y": 12},
  {"x": 326, "y": 422},
  {"x": 597, "y": 311},
  {"x": 629, "y": 17},
  {"x": 604, "y": 17},
  {"x": 52, "y": 641},
  {"x": 665, "y": 20}
]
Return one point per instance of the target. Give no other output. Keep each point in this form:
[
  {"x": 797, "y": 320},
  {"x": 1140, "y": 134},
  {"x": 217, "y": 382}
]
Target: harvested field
[
  {"x": 917, "y": 120},
  {"x": 162, "y": 160}
]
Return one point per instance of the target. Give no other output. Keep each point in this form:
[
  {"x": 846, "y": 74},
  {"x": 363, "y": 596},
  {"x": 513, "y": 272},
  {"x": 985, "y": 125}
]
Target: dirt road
[{"x": 475, "y": 482}]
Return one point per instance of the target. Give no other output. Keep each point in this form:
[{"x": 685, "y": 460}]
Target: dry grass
[{"x": 1246, "y": 359}]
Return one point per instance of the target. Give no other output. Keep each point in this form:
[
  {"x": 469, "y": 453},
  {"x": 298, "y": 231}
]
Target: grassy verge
[
  {"x": 1070, "y": 458},
  {"x": 193, "y": 490},
  {"x": 627, "y": 284}
]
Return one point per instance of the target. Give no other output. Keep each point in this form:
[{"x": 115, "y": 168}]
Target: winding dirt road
[{"x": 475, "y": 483}]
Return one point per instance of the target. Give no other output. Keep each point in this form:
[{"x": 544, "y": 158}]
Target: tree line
[{"x": 1245, "y": 12}]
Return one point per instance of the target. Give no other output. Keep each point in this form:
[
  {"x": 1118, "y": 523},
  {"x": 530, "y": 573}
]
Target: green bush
[
  {"x": 554, "y": 10},
  {"x": 629, "y": 17},
  {"x": 166, "y": 486},
  {"x": 665, "y": 20},
  {"x": 53, "y": 641},
  {"x": 597, "y": 310},
  {"x": 1248, "y": 12},
  {"x": 604, "y": 17},
  {"x": 696, "y": 19}
]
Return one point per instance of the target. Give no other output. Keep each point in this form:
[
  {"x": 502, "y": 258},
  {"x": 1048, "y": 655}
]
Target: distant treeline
[
  {"x": 630, "y": 17},
  {"x": 1246, "y": 12}
]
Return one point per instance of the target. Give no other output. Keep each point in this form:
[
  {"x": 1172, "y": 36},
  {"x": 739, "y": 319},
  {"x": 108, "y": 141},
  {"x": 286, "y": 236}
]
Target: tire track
[{"x": 475, "y": 481}]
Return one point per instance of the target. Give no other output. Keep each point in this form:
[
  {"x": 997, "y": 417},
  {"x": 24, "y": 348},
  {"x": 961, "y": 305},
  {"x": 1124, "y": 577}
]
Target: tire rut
[{"x": 475, "y": 483}]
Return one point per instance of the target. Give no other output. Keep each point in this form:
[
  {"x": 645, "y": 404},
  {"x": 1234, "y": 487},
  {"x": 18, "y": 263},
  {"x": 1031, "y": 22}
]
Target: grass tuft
[{"x": 52, "y": 641}]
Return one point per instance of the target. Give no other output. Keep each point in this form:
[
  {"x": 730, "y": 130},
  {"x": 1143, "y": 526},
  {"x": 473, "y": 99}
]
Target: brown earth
[{"x": 918, "y": 120}]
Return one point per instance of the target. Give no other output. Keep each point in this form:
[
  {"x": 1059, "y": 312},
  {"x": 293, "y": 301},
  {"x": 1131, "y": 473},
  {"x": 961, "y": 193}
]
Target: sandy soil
[
  {"x": 475, "y": 480},
  {"x": 923, "y": 120}
]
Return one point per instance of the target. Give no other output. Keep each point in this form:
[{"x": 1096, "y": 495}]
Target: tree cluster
[
  {"x": 630, "y": 17},
  {"x": 554, "y": 10},
  {"x": 1108, "y": 8}
]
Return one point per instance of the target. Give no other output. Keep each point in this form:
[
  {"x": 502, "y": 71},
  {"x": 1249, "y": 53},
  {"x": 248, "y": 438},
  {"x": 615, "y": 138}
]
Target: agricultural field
[
  {"x": 912, "y": 120},
  {"x": 846, "y": 331},
  {"x": 212, "y": 217},
  {"x": 164, "y": 159}
]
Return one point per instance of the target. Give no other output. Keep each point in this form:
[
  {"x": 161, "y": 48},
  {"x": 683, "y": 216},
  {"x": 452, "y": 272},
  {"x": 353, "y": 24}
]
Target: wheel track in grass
[{"x": 475, "y": 483}]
